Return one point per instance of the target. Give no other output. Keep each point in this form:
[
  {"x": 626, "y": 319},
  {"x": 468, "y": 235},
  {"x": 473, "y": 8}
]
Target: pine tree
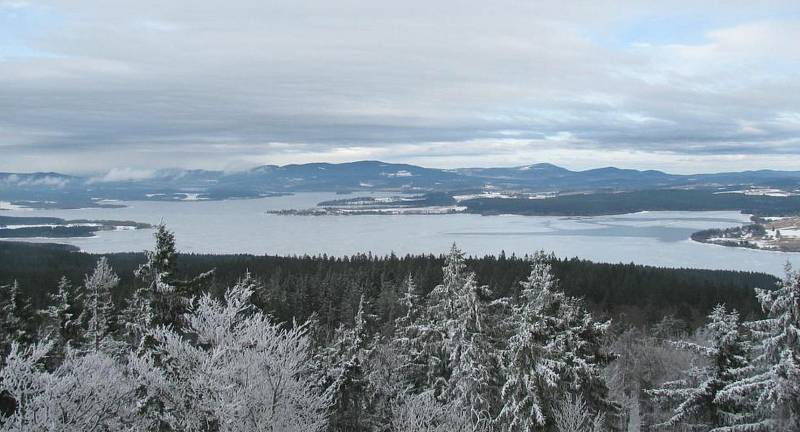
[
  {"x": 99, "y": 309},
  {"x": 772, "y": 383},
  {"x": 694, "y": 399}
]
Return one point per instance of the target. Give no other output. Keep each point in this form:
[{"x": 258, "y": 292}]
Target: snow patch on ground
[
  {"x": 760, "y": 192},
  {"x": 191, "y": 197},
  {"x": 12, "y": 227},
  {"x": 790, "y": 232},
  {"x": 5, "y": 205},
  {"x": 496, "y": 195},
  {"x": 401, "y": 173}
]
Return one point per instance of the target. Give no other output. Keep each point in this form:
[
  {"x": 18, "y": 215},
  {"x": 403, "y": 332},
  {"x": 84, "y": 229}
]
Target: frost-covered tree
[
  {"x": 385, "y": 380},
  {"x": 346, "y": 383},
  {"x": 693, "y": 399},
  {"x": 772, "y": 384},
  {"x": 16, "y": 317},
  {"x": 84, "y": 393},
  {"x": 531, "y": 360},
  {"x": 409, "y": 341},
  {"x": 99, "y": 308},
  {"x": 460, "y": 355},
  {"x": 163, "y": 299},
  {"x": 158, "y": 273},
  {"x": 425, "y": 413},
  {"x": 584, "y": 343},
  {"x": 555, "y": 348},
  {"x": 573, "y": 415},
  {"x": 643, "y": 362},
  {"x": 61, "y": 320},
  {"x": 232, "y": 369},
  {"x": 137, "y": 318}
]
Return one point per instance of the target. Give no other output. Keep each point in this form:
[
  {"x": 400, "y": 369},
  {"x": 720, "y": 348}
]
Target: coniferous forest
[{"x": 167, "y": 342}]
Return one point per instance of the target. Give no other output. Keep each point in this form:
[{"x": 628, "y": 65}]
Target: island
[{"x": 14, "y": 227}]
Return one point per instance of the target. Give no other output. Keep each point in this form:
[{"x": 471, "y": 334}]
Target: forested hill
[
  {"x": 53, "y": 190},
  {"x": 331, "y": 287}
]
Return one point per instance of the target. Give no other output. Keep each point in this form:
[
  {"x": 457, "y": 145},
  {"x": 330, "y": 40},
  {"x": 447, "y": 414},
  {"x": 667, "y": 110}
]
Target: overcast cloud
[{"x": 92, "y": 85}]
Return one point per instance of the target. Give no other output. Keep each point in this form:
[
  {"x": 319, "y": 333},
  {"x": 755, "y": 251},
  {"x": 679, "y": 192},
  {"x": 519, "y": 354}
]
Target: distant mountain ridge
[{"x": 172, "y": 184}]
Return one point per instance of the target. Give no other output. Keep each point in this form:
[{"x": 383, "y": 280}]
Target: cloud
[
  {"x": 123, "y": 174},
  {"x": 187, "y": 82},
  {"x": 47, "y": 180}
]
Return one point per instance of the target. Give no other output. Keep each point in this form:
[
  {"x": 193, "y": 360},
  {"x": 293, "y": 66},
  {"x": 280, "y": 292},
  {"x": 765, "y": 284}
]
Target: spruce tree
[
  {"x": 346, "y": 381},
  {"x": 457, "y": 344},
  {"x": 99, "y": 308},
  {"x": 408, "y": 340},
  {"x": 694, "y": 399},
  {"x": 16, "y": 319},
  {"x": 772, "y": 384},
  {"x": 158, "y": 275},
  {"x": 62, "y": 319},
  {"x": 163, "y": 299},
  {"x": 555, "y": 349}
]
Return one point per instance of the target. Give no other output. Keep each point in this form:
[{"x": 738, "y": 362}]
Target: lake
[{"x": 242, "y": 226}]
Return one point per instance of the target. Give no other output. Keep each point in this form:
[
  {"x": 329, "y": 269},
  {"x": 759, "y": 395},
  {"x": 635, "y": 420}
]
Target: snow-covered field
[
  {"x": 761, "y": 192},
  {"x": 5, "y": 205}
]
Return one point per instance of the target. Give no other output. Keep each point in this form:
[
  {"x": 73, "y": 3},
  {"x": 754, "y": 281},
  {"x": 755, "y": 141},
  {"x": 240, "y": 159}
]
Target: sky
[{"x": 681, "y": 86}]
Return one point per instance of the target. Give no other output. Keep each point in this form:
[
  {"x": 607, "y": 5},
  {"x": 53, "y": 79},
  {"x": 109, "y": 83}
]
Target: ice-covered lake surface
[{"x": 243, "y": 226}]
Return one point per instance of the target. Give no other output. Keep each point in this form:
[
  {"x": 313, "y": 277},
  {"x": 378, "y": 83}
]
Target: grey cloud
[{"x": 158, "y": 80}]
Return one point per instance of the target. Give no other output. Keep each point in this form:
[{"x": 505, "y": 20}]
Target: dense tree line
[
  {"x": 606, "y": 203},
  {"x": 180, "y": 353},
  {"x": 330, "y": 287}
]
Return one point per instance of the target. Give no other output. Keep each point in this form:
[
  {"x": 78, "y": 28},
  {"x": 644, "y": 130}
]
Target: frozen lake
[{"x": 242, "y": 226}]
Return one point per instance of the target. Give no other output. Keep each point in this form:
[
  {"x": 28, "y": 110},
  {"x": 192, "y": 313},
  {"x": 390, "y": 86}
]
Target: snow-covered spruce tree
[
  {"x": 232, "y": 369},
  {"x": 555, "y": 350},
  {"x": 586, "y": 355},
  {"x": 693, "y": 399},
  {"x": 137, "y": 319},
  {"x": 164, "y": 298},
  {"x": 61, "y": 320},
  {"x": 99, "y": 308},
  {"x": 384, "y": 382},
  {"x": 16, "y": 318},
  {"x": 461, "y": 366},
  {"x": 643, "y": 362},
  {"x": 86, "y": 392},
  {"x": 346, "y": 384},
  {"x": 409, "y": 340},
  {"x": 772, "y": 384},
  {"x": 158, "y": 276}
]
